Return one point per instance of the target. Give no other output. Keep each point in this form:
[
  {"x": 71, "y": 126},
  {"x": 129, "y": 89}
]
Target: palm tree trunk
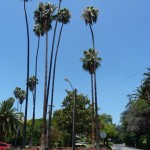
[
  {"x": 34, "y": 95},
  {"x": 33, "y": 116},
  {"x": 53, "y": 84},
  {"x": 96, "y": 114},
  {"x": 93, "y": 114},
  {"x": 28, "y": 62},
  {"x": 43, "y": 134},
  {"x": 92, "y": 37},
  {"x": 18, "y": 129},
  {"x": 52, "y": 50},
  {"x": 95, "y": 90}
]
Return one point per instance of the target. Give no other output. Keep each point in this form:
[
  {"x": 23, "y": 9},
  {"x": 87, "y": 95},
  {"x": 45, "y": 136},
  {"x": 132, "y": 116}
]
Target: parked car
[
  {"x": 4, "y": 146},
  {"x": 80, "y": 144}
]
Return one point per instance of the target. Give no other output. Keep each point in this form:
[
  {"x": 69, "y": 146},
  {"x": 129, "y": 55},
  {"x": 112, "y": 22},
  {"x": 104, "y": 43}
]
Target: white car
[{"x": 80, "y": 144}]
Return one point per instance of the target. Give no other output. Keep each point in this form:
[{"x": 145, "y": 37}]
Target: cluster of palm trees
[{"x": 44, "y": 15}]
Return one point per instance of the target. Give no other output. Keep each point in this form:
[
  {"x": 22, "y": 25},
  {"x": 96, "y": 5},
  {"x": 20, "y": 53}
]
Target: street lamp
[{"x": 74, "y": 113}]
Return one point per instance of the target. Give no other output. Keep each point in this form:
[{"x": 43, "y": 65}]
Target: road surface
[{"x": 122, "y": 147}]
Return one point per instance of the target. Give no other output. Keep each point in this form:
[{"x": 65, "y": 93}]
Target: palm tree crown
[
  {"x": 44, "y": 15},
  {"x": 90, "y": 61},
  {"x": 146, "y": 85},
  {"x": 19, "y": 94},
  {"x": 16, "y": 92},
  {"x": 32, "y": 82},
  {"x": 9, "y": 118},
  {"x": 90, "y": 15},
  {"x": 146, "y": 80},
  {"x": 64, "y": 15},
  {"x": 38, "y": 30}
]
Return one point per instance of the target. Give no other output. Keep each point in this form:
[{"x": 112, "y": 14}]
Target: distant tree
[
  {"x": 20, "y": 95},
  {"x": 9, "y": 119}
]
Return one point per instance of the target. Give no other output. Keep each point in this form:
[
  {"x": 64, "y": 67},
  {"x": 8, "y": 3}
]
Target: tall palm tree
[
  {"x": 52, "y": 49},
  {"x": 9, "y": 119},
  {"x": 91, "y": 61},
  {"x": 54, "y": 17},
  {"x": 90, "y": 15},
  {"x": 64, "y": 18},
  {"x": 43, "y": 16},
  {"x": 88, "y": 66},
  {"x": 33, "y": 81},
  {"x": 38, "y": 32},
  {"x": 28, "y": 71}
]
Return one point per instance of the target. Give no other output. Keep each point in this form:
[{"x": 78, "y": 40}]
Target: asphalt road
[{"x": 122, "y": 147}]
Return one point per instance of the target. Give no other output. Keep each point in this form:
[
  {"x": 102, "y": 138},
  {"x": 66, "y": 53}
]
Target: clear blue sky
[{"x": 122, "y": 36}]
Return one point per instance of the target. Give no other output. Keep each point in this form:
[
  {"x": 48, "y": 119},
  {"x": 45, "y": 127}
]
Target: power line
[{"x": 121, "y": 81}]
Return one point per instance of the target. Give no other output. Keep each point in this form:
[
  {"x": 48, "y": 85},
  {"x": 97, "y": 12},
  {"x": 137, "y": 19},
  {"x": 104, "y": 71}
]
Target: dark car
[{"x": 4, "y": 146}]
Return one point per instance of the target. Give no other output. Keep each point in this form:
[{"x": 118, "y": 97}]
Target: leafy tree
[
  {"x": 63, "y": 117},
  {"x": 136, "y": 119},
  {"x": 107, "y": 125},
  {"x": 9, "y": 119},
  {"x": 36, "y": 131}
]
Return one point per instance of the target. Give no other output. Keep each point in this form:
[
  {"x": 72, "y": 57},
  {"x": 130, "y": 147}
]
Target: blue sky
[{"x": 122, "y": 35}]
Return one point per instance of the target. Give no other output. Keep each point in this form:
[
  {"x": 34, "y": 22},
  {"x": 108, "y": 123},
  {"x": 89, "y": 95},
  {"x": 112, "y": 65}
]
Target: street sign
[{"x": 103, "y": 134}]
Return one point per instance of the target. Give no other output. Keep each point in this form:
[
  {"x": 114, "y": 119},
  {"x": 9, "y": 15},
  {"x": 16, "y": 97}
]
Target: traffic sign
[{"x": 103, "y": 134}]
